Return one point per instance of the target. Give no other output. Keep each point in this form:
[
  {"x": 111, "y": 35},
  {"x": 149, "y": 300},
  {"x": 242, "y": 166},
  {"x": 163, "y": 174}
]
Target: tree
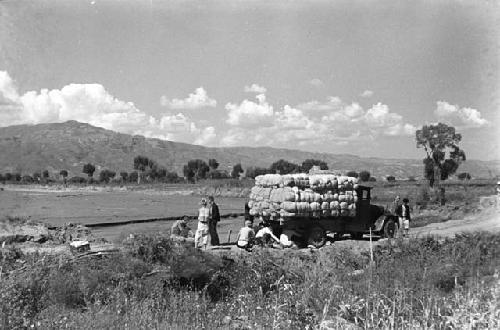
[
  {"x": 37, "y": 176},
  {"x": 443, "y": 155},
  {"x": 89, "y": 169},
  {"x": 284, "y": 167},
  {"x": 364, "y": 176},
  {"x": 141, "y": 163},
  {"x": 213, "y": 164},
  {"x": 352, "y": 173},
  {"x": 27, "y": 179},
  {"x": 252, "y": 172},
  {"x": 464, "y": 176},
  {"x": 106, "y": 175},
  {"x": 309, "y": 163},
  {"x": 124, "y": 176},
  {"x": 64, "y": 175},
  {"x": 8, "y": 176},
  {"x": 133, "y": 177},
  {"x": 45, "y": 174},
  {"x": 17, "y": 177},
  {"x": 237, "y": 170},
  {"x": 195, "y": 170},
  {"x": 390, "y": 178}
]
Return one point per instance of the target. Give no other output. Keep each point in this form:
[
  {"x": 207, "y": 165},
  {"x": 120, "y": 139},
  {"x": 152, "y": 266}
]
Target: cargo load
[{"x": 277, "y": 196}]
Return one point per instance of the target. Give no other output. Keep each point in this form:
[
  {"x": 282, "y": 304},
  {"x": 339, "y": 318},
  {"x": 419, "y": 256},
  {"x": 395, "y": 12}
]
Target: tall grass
[{"x": 421, "y": 283}]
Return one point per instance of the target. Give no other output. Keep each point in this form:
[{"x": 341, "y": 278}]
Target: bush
[
  {"x": 364, "y": 176},
  {"x": 390, "y": 178},
  {"x": 352, "y": 173}
]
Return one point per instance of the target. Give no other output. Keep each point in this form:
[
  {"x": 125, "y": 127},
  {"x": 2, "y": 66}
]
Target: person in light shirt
[
  {"x": 265, "y": 235},
  {"x": 201, "y": 236},
  {"x": 246, "y": 236}
]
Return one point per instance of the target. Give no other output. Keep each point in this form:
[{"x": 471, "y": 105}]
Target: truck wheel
[
  {"x": 317, "y": 237},
  {"x": 390, "y": 228}
]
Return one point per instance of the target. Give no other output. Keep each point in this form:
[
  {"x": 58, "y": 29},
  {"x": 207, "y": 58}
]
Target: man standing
[
  {"x": 202, "y": 232},
  {"x": 213, "y": 220},
  {"x": 403, "y": 212}
]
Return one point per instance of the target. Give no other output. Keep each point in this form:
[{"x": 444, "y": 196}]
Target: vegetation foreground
[{"x": 154, "y": 283}]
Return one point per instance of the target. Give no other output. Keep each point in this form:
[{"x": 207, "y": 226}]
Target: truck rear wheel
[
  {"x": 317, "y": 237},
  {"x": 357, "y": 236},
  {"x": 390, "y": 228}
]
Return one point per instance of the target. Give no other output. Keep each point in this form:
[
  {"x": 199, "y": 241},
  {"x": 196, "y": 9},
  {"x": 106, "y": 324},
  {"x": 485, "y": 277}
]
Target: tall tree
[
  {"x": 309, "y": 163},
  {"x": 443, "y": 155},
  {"x": 142, "y": 163},
  {"x": 64, "y": 175}
]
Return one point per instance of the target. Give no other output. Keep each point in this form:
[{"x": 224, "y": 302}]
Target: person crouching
[
  {"x": 246, "y": 236},
  {"x": 202, "y": 232}
]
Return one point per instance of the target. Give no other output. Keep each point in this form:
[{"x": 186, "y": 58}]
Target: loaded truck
[{"x": 313, "y": 227}]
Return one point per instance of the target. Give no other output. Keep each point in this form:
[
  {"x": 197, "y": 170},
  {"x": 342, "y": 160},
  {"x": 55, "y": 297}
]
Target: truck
[{"x": 314, "y": 228}]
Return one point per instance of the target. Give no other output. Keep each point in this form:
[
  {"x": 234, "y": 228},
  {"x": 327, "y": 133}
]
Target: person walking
[
  {"x": 403, "y": 213},
  {"x": 202, "y": 232},
  {"x": 213, "y": 220}
]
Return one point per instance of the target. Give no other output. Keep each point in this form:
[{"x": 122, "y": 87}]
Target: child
[{"x": 246, "y": 236}]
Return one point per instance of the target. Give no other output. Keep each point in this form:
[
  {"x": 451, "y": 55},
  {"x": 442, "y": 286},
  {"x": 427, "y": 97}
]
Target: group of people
[{"x": 208, "y": 217}]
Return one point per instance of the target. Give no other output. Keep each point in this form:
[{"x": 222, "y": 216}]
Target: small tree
[
  {"x": 17, "y": 177},
  {"x": 364, "y": 176},
  {"x": 36, "y": 176},
  {"x": 309, "y": 163},
  {"x": 141, "y": 163},
  {"x": 352, "y": 173},
  {"x": 237, "y": 170},
  {"x": 390, "y": 178},
  {"x": 45, "y": 174},
  {"x": 284, "y": 167},
  {"x": 8, "y": 176},
  {"x": 195, "y": 170},
  {"x": 124, "y": 176},
  {"x": 106, "y": 175},
  {"x": 89, "y": 169},
  {"x": 213, "y": 164},
  {"x": 64, "y": 175},
  {"x": 133, "y": 177}
]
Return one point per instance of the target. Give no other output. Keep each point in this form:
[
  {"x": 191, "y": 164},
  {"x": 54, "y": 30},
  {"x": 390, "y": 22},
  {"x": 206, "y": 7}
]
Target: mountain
[{"x": 69, "y": 145}]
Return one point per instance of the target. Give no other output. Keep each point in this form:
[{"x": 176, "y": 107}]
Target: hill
[{"x": 28, "y": 148}]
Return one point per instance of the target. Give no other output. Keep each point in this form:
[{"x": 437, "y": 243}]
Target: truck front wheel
[
  {"x": 317, "y": 237},
  {"x": 390, "y": 228}
]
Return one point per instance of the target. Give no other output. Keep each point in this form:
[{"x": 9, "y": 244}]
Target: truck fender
[{"x": 379, "y": 224}]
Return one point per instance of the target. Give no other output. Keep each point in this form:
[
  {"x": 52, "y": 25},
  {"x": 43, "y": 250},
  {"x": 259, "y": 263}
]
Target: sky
[{"x": 355, "y": 77}]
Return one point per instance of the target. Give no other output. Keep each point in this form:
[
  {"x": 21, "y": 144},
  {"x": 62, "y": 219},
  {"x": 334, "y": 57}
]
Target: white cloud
[
  {"x": 250, "y": 114},
  {"x": 198, "y": 99},
  {"x": 254, "y": 88},
  {"x": 465, "y": 117},
  {"x": 366, "y": 94},
  {"x": 92, "y": 104},
  {"x": 332, "y": 103},
  {"x": 316, "y": 82}
]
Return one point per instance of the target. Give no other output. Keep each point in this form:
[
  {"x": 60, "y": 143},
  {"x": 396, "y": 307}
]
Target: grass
[{"x": 154, "y": 283}]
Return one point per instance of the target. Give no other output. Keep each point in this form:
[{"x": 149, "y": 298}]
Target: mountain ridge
[{"x": 69, "y": 145}]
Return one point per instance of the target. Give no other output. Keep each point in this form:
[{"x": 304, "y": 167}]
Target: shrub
[
  {"x": 77, "y": 179},
  {"x": 390, "y": 178},
  {"x": 364, "y": 176},
  {"x": 352, "y": 173}
]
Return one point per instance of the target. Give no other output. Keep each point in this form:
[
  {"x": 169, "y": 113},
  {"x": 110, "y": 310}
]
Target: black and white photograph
[{"x": 249, "y": 164}]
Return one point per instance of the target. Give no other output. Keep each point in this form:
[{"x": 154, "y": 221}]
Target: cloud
[
  {"x": 332, "y": 122},
  {"x": 92, "y": 104},
  {"x": 254, "y": 88},
  {"x": 250, "y": 114},
  {"x": 316, "y": 82},
  {"x": 465, "y": 117},
  {"x": 198, "y": 99},
  {"x": 366, "y": 94}
]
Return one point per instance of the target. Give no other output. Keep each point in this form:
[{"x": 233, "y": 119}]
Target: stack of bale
[{"x": 291, "y": 195}]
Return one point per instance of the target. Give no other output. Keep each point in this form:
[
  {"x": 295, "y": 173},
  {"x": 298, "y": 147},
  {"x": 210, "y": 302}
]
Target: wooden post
[
  {"x": 371, "y": 246},
  {"x": 229, "y": 236}
]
